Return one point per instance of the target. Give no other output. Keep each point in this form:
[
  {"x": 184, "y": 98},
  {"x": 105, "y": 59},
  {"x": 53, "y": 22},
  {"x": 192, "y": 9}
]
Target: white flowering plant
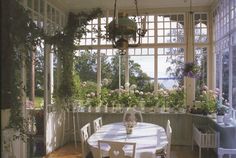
[
  {"x": 150, "y": 99},
  {"x": 92, "y": 100}
]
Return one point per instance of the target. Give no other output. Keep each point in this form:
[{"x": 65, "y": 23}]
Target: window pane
[{"x": 225, "y": 75}]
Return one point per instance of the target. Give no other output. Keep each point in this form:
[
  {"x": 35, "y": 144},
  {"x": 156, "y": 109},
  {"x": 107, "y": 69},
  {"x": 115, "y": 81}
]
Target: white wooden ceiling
[{"x": 73, "y": 5}]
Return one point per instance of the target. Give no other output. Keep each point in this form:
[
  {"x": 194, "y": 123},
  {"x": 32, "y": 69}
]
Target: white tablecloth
[{"x": 148, "y": 137}]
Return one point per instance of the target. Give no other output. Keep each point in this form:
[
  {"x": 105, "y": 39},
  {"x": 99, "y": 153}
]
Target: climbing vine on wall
[
  {"x": 64, "y": 42},
  {"x": 21, "y": 36}
]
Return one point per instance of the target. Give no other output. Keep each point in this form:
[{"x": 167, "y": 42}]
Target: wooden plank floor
[{"x": 69, "y": 151}]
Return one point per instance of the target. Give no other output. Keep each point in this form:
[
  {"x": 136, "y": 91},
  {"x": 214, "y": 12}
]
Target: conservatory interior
[{"x": 117, "y": 78}]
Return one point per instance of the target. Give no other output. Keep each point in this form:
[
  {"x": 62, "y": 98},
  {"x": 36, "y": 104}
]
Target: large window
[
  {"x": 234, "y": 70},
  {"x": 170, "y": 62},
  {"x": 104, "y": 22},
  {"x": 224, "y": 23},
  {"x": 149, "y": 36},
  {"x": 170, "y": 28},
  {"x": 201, "y": 60},
  {"x": 145, "y": 74},
  {"x": 200, "y": 31},
  {"x": 91, "y": 36}
]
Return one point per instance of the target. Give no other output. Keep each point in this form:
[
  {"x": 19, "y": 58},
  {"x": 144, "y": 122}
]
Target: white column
[
  {"x": 127, "y": 69},
  {"x": 119, "y": 73},
  {"x": 58, "y": 72},
  {"x": 155, "y": 70},
  {"x": 189, "y": 57},
  {"x": 47, "y": 49},
  {"x": 155, "y": 57},
  {"x": 230, "y": 59},
  {"x": 51, "y": 83},
  {"x": 99, "y": 69},
  {"x": 45, "y": 80},
  {"x": 211, "y": 76},
  {"x": 99, "y": 72}
]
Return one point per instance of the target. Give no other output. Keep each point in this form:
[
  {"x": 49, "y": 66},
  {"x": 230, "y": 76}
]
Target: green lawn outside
[{"x": 38, "y": 103}]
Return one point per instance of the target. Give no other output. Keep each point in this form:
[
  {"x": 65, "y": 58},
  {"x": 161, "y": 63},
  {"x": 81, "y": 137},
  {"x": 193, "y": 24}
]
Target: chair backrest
[
  {"x": 85, "y": 132},
  {"x": 132, "y": 115},
  {"x": 117, "y": 149},
  {"x": 169, "y": 134},
  {"x": 224, "y": 151},
  {"x": 97, "y": 124}
]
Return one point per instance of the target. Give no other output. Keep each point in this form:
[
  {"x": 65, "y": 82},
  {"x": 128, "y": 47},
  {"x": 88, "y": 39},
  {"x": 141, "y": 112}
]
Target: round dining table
[{"x": 148, "y": 138}]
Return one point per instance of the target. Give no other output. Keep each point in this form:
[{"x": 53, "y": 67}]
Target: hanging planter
[{"x": 191, "y": 70}]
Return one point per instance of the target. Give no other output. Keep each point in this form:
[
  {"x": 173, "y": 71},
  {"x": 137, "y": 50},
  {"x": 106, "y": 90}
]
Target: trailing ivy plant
[
  {"x": 22, "y": 35},
  {"x": 64, "y": 41}
]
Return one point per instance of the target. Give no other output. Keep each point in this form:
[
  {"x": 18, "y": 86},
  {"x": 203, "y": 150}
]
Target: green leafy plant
[
  {"x": 113, "y": 98},
  {"x": 21, "y": 35},
  {"x": 162, "y": 96},
  {"x": 221, "y": 110},
  {"x": 176, "y": 98},
  {"x": 124, "y": 98},
  {"x": 150, "y": 99},
  {"x": 64, "y": 41}
]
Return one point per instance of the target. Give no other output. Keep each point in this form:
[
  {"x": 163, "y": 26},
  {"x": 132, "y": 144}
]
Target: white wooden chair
[
  {"x": 224, "y": 151},
  {"x": 85, "y": 132},
  {"x": 132, "y": 115},
  {"x": 97, "y": 124},
  {"x": 116, "y": 149},
  {"x": 165, "y": 153}
]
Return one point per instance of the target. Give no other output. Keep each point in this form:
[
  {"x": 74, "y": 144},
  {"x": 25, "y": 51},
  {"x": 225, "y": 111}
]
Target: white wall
[{"x": 54, "y": 128}]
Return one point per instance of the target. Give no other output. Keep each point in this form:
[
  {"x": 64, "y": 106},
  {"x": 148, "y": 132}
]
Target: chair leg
[{"x": 200, "y": 152}]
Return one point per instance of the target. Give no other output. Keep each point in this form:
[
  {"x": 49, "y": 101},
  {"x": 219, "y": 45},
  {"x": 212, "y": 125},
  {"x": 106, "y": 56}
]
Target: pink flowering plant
[{"x": 209, "y": 100}]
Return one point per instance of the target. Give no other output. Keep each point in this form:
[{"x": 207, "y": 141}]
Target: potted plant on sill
[
  {"x": 221, "y": 110},
  {"x": 124, "y": 99},
  {"x": 150, "y": 102},
  {"x": 104, "y": 100},
  {"x": 94, "y": 103}
]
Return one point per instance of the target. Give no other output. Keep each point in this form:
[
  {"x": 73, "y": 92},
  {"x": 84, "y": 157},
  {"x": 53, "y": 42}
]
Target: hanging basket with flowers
[{"x": 191, "y": 70}]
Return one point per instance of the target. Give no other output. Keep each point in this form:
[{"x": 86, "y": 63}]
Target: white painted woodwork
[
  {"x": 51, "y": 78},
  {"x": 97, "y": 124},
  {"x": 169, "y": 135},
  {"x": 189, "y": 57},
  {"x": 85, "y": 133},
  {"x": 53, "y": 130},
  {"x": 47, "y": 140},
  {"x": 116, "y": 149},
  {"x": 127, "y": 4},
  {"x": 224, "y": 151},
  {"x": 99, "y": 72},
  {"x": 207, "y": 139},
  {"x": 127, "y": 69}
]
